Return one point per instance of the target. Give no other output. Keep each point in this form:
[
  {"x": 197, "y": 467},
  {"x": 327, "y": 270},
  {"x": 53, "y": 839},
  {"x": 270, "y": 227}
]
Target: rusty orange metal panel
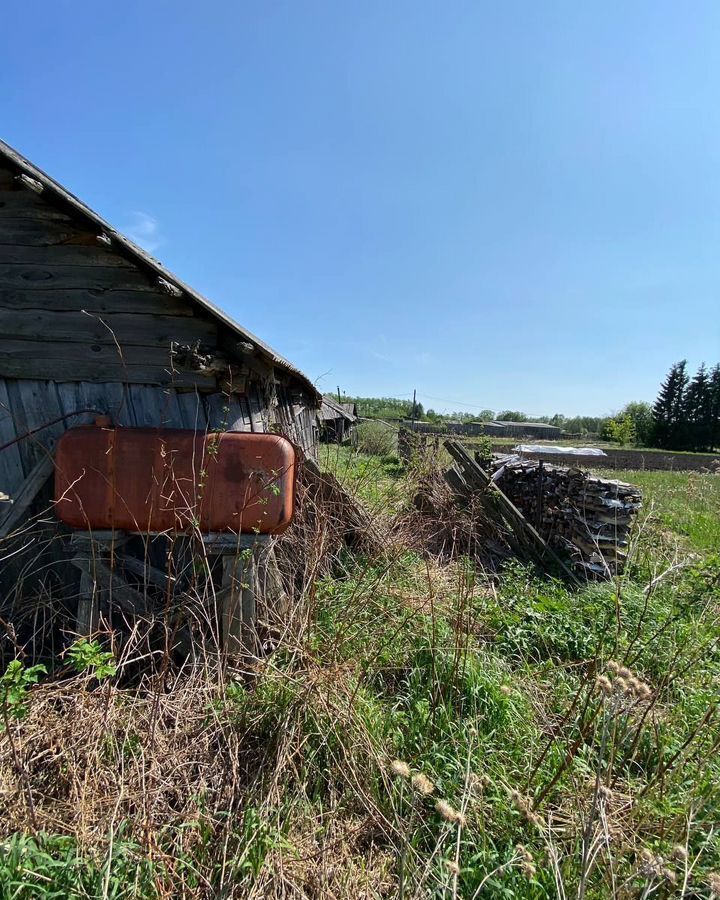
[{"x": 156, "y": 480}]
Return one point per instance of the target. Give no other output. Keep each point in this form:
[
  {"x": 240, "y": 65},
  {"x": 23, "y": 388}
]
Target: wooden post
[
  {"x": 237, "y": 598},
  {"x": 97, "y": 580}
]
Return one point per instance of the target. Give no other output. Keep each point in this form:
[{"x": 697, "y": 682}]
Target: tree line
[{"x": 685, "y": 416}]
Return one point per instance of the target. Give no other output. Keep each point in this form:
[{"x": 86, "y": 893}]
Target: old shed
[
  {"x": 90, "y": 323},
  {"x": 337, "y": 421}
]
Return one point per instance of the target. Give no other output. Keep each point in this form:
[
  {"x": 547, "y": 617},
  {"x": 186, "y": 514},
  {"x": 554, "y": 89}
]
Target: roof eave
[{"x": 58, "y": 192}]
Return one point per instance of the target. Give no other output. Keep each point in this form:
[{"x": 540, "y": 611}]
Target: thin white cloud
[{"x": 144, "y": 230}]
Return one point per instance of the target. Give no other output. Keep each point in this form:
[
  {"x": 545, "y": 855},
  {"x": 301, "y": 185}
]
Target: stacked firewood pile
[{"x": 588, "y": 517}]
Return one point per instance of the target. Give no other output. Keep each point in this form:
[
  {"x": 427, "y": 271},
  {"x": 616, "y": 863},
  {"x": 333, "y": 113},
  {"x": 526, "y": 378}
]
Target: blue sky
[{"x": 510, "y": 205}]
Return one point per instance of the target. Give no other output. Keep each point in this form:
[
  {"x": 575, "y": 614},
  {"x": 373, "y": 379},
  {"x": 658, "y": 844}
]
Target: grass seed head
[
  {"x": 714, "y": 884},
  {"x": 449, "y": 813},
  {"x": 479, "y": 782},
  {"x": 528, "y": 869},
  {"x": 422, "y": 784},
  {"x": 400, "y": 769},
  {"x": 603, "y": 683},
  {"x": 613, "y": 667},
  {"x": 679, "y": 853},
  {"x": 452, "y": 867}
]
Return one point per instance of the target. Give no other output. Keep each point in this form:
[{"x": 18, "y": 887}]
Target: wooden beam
[
  {"x": 94, "y": 300},
  {"x": 51, "y": 277},
  {"x": 24, "y": 497},
  {"x": 65, "y": 255},
  {"x": 481, "y": 485},
  {"x": 75, "y": 361},
  {"x": 111, "y": 328}
]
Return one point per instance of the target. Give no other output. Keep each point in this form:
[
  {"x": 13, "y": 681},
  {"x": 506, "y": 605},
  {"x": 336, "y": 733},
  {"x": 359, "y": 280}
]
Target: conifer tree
[
  {"x": 669, "y": 408},
  {"x": 714, "y": 405},
  {"x": 697, "y": 424}
]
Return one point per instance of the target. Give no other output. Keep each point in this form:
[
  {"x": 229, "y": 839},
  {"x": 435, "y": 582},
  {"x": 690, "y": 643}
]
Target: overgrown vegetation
[{"x": 423, "y": 729}]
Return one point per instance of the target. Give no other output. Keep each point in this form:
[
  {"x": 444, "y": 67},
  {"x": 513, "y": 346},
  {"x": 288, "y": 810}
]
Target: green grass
[
  {"x": 683, "y": 504},
  {"x": 283, "y": 785}
]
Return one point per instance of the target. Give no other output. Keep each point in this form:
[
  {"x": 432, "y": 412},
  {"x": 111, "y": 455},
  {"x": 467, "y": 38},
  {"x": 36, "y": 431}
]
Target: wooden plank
[
  {"x": 146, "y": 405},
  {"x": 256, "y": 410},
  {"x": 41, "y": 232},
  {"x": 111, "y": 328},
  {"x": 11, "y": 466},
  {"x": 96, "y": 300},
  {"x": 88, "y": 610},
  {"x": 170, "y": 413},
  {"x": 110, "y": 399},
  {"x": 48, "y": 277},
  {"x": 107, "y": 372},
  {"x": 65, "y": 255},
  {"x": 117, "y": 589},
  {"x": 227, "y": 413},
  {"x": 73, "y": 361},
  {"x": 156, "y": 406},
  {"x": 41, "y": 406},
  {"x": 239, "y": 604},
  {"x": 484, "y": 486},
  {"x": 192, "y": 410},
  {"x": 24, "y": 204},
  {"x": 24, "y": 496}
]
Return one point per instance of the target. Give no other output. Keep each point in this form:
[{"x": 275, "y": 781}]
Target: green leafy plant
[
  {"x": 88, "y": 657},
  {"x": 14, "y": 686}
]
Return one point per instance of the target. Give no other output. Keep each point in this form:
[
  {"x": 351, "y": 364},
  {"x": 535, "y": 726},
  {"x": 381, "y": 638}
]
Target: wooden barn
[
  {"x": 91, "y": 324},
  {"x": 337, "y": 421}
]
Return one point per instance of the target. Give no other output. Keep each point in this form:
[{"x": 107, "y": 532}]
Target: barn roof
[
  {"x": 350, "y": 409},
  {"x": 61, "y": 197},
  {"x": 331, "y": 409}
]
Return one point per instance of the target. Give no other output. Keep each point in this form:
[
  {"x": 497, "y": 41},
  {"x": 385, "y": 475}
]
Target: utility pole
[
  {"x": 413, "y": 409},
  {"x": 339, "y": 397}
]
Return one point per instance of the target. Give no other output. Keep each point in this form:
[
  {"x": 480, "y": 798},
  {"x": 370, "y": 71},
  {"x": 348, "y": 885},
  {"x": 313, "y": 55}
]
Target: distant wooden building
[
  {"x": 537, "y": 430},
  {"x": 337, "y": 421},
  {"x": 90, "y": 323}
]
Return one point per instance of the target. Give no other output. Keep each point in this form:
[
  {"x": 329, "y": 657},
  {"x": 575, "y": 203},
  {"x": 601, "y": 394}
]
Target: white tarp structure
[{"x": 565, "y": 451}]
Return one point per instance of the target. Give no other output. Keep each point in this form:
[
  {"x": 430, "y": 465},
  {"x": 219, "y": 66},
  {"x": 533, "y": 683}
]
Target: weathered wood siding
[{"x": 83, "y": 326}]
